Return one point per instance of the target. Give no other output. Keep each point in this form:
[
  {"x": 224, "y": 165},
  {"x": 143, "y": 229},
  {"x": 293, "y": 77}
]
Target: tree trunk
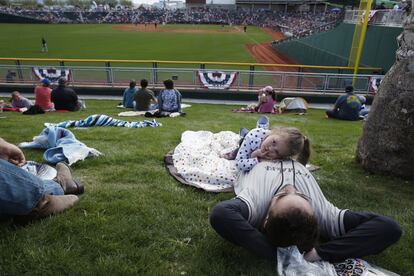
[{"x": 387, "y": 142}]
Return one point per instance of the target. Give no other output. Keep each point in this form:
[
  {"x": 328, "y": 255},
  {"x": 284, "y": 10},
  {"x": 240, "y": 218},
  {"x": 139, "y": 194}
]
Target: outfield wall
[
  {"x": 332, "y": 47},
  {"x": 10, "y": 18}
]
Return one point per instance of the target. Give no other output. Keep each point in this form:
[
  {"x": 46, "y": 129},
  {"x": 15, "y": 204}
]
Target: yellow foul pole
[{"x": 359, "y": 36}]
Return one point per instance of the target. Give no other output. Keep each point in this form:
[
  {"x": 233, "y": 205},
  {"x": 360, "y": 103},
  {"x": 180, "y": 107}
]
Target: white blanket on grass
[
  {"x": 197, "y": 159},
  {"x": 142, "y": 113}
]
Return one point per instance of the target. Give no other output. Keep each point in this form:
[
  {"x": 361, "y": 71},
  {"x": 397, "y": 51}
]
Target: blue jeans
[{"x": 20, "y": 191}]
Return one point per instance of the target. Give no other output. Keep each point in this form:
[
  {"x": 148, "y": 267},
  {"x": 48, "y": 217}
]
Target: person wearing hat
[
  {"x": 267, "y": 100},
  {"x": 65, "y": 98},
  {"x": 346, "y": 107},
  {"x": 18, "y": 101},
  {"x": 42, "y": 95}
]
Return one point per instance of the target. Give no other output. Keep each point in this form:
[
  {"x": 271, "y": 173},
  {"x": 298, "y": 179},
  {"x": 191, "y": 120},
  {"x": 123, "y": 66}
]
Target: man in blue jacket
[{"x": 347, "y": 106}]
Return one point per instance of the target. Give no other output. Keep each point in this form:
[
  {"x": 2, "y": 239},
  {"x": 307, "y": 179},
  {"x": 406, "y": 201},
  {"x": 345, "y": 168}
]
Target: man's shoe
[
  {"x": 47, "y": 206},
  {"x": 65, "y": 179},
  {"x": 263, "y": 122},
  {"x": 52, "y": 205}
]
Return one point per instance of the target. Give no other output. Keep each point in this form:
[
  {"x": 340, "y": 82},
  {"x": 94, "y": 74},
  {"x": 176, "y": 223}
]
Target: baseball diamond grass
[
  {"x": 107, "y": 41},
  {"x": 91, "y": 41},
  {"x": 134, "y": 218}
]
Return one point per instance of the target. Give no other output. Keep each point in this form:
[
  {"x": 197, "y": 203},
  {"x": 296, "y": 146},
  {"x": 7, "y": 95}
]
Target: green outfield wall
[{"x": 332, "y": 47}]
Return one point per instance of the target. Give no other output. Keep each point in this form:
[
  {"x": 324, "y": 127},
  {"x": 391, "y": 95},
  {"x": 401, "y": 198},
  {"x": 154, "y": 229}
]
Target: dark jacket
[{"x": 65, "y": 98}]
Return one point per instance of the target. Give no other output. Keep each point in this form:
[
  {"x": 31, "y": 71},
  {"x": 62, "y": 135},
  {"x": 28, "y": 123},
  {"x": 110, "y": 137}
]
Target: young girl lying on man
[{"x": 275, "y": 144}]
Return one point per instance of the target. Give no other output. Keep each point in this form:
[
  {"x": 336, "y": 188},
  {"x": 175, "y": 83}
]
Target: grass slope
[
  {"x": 105, "y": 42},
  {"x": 136, "y": 219}
]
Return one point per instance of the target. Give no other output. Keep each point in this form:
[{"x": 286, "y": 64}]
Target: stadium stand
[{"x": 299, "y": 24}]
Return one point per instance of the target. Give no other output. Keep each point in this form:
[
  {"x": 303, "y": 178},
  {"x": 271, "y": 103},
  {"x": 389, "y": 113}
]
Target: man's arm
[
  {"x": 11, "y": 153},
  {"x": 153, "y": 98},
  {"x": 339, "y": 102},
  {"x": 229, "y": 219}
]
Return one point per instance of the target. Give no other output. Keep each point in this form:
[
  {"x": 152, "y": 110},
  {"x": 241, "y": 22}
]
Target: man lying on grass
[
  {"x": 26, "y": 197},
  {"x": 279, "y": 204}
]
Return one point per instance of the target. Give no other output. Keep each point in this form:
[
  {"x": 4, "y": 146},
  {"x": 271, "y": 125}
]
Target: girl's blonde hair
[{"x": 299, "y": 144}]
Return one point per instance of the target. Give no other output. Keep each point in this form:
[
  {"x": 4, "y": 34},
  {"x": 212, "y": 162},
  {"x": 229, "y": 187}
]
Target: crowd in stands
[{"x": 297, "y": 23}]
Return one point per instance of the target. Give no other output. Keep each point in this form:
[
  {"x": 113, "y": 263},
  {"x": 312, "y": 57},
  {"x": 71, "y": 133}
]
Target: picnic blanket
[
  {"x": 61, "y": 145},
  {"x": 14, "y": 109},
  {"x": 142, "y": 113},
  {"x": 199, "y": 160},
  {"x": 196, "y": 160},
  {"x": 249, "y": 109},
  {"x": 105, "y": 120}
]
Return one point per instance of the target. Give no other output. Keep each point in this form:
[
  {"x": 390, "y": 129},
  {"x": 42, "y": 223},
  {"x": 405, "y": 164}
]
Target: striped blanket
[{"x": 105, "y": 120}]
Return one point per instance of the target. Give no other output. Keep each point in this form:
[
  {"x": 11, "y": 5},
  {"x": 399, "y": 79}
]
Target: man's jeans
[{"x": 20, "y": 191}]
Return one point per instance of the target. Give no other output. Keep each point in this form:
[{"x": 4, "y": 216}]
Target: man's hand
[
  {"x": 312, "y": 256},
  {"x": 11, "y": 153}
]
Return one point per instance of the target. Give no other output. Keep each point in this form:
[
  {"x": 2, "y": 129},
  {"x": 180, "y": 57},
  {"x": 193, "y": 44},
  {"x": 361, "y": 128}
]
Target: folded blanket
[
  {"x": 61, "y": 145},
  {"x": 105, "y": 120}
]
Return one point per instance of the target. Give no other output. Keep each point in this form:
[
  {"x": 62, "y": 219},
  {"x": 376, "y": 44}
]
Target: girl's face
[{"x": 276, "y": 145}]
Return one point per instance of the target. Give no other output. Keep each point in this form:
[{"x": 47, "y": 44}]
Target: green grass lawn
[
  {"x": 134, "y": 218},
  {"x": 104, "y": 42}
]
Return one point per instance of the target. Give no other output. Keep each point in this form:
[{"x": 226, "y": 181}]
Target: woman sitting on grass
[
  {"x": 169, "y": 99},
  {"x": 267, "y": 100}
]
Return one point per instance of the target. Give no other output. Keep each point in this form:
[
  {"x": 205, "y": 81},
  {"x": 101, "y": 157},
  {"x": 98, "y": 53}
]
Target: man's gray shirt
[{"x": 257, "y": 188}]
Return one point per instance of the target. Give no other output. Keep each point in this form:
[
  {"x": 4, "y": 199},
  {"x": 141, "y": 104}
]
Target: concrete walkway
[{"x": 204, "y": 101}]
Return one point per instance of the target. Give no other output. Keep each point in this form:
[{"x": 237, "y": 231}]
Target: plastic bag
[{"x": 291, "y": 263}]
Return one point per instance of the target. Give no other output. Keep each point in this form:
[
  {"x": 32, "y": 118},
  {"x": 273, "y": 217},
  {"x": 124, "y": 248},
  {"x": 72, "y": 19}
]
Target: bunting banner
[
  {"x": 52, "y": 74},
  {"x": 217, "y": 79}
]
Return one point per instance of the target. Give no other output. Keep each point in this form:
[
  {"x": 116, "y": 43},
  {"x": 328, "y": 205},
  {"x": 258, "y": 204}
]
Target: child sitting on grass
[{"x": 279, "y": 143}]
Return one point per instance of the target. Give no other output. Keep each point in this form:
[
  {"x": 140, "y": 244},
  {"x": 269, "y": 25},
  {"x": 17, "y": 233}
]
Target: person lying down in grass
[{"x": 279, "y": 143}]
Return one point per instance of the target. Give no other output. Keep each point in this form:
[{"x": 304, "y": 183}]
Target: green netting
[{"x": 332, "y": 47}]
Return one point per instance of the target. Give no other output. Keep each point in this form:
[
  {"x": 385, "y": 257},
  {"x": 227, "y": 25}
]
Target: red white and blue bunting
[
  {"x": 217, "y": 79},
  {"x": 52, "y": 74}
]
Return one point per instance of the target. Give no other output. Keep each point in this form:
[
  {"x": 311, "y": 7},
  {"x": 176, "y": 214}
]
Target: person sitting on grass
[
  {"x": 18, "y": 101},
  {"x": 280, "y": 204},
  {"x": 267, "y": 100},
  {"x": 65, "y": 98},
  {"x": 27, "y": 197},
  {"x": 346, "y": 107},
  {"x": 43, "y": 95},
  {"x": 144, "y": 98},
  {"x": 279, "y": 143},
  {"x": 128, "y": 96},
  {"x": 169, "y": 99}
]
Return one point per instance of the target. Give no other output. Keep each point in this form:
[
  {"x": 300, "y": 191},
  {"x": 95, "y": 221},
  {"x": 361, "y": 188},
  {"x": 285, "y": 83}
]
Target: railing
[
  {"x": 391, "y": 18},
  {"x": 246, "y": 80}
]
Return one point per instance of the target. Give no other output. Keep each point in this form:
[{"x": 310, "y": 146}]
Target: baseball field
[{"x": 168, "y": 42}]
